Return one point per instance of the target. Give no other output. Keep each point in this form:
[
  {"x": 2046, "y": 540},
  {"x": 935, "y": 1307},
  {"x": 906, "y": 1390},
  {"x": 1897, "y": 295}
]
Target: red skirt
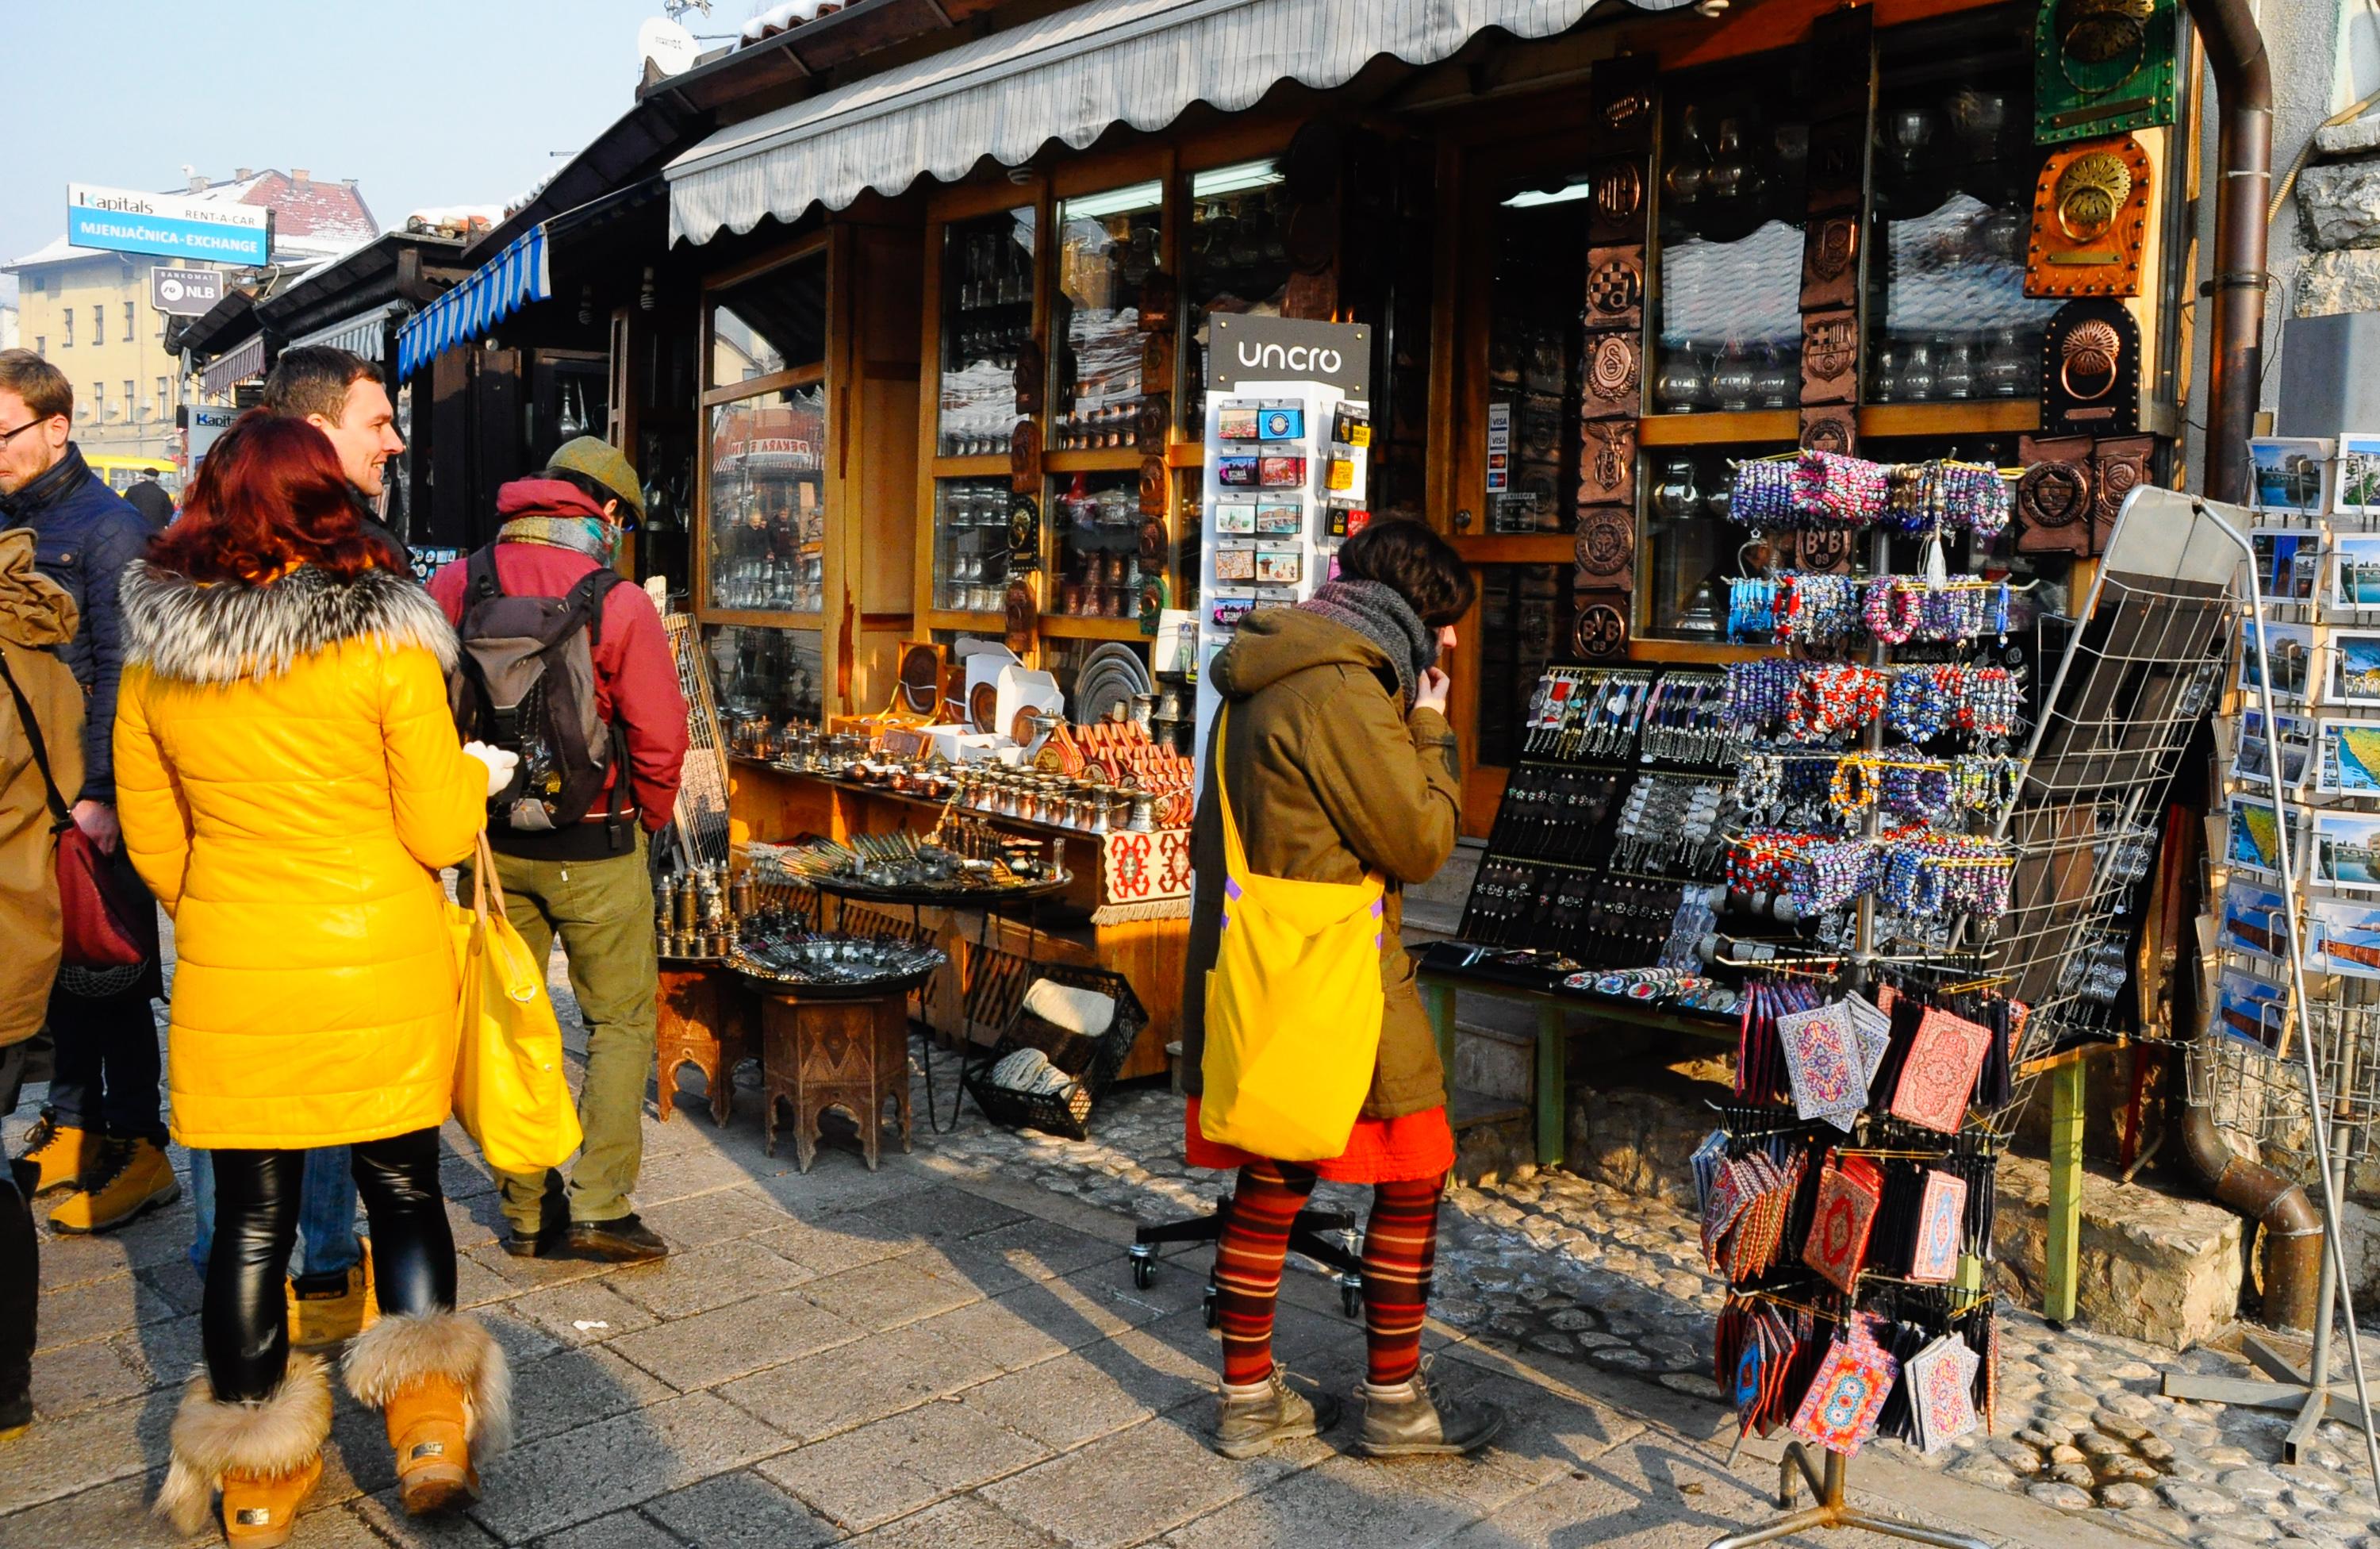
[{"x": 1379, "y": 1150}]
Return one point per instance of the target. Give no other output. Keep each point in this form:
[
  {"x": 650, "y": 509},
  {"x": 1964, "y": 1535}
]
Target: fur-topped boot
[
  {"x": 441, "y": 1384},
  {"x": 266, "y": 1455}
]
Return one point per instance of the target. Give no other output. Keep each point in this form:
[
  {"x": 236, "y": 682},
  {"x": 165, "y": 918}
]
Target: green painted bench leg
[
  {"x": 1553, "y": 1092},
  {"x": 2065, "y": 1191},
  {"x": 1437, "y": 1004}
]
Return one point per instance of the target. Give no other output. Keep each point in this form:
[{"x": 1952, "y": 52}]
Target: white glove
[{"x": 501, "y": 763}]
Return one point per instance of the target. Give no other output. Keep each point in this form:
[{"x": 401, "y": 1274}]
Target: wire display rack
[{"x": 700, "y": 819}]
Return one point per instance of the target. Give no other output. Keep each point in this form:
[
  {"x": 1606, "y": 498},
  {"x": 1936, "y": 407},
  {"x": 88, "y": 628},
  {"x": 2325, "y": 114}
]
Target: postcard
[
  {"x": 2292, "y": 473},
  {"x": 2255, "y": 760},
  {"x": 2344, "y": 937},
  {"x": 2250, "y": 1009},
  {"x": 2358, "y": 474},
  {"x": 2346, "y": 849},
  {"x": 2290, "y": 646},
  {"x": 2355, "y": 667},
  {"x": 2254, "y": 918},
  {"x": 2288, "y": 560},
  {"x": 2254, "y": 836},
  {"x": 2350, "y": 758},
  {"x": 2355, "y": 570}
]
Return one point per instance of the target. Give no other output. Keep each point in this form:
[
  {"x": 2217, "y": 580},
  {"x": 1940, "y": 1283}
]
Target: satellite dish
[{"x": 670, "y": 47}]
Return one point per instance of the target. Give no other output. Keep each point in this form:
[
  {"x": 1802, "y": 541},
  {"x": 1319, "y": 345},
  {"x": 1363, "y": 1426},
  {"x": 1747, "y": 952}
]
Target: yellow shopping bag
[
  {"x": 1293, "y": 1004},
  {"x": 509, "y": 1091}
]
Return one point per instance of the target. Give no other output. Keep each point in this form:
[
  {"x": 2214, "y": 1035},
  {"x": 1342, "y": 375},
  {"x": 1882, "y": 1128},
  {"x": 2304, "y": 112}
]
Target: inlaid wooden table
[
  {"x": 822, "y": 1050},
  {"x": 704, "y": 1019}
]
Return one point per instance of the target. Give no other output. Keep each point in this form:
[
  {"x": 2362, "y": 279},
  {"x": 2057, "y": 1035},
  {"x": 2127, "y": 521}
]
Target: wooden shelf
[
  {"x": 990, "y": 465},
  {"x": 1781, "y": 426},
  {"x": 1186, "y": 454},
  {"x": 760, "y": 619},
  {"x": 968, "y": 623},
  {"x": 1997, "y": 416},
  {"x": 1110, "y": 459},
  {"x": 1711, "y": 651},
  {"x": 1518, "y": 548},
  {"x": 1060, "y": 626}
]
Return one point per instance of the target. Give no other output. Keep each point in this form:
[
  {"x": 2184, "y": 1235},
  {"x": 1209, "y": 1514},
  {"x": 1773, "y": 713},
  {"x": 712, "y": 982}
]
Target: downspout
[{"x": 2243, "y": 93}]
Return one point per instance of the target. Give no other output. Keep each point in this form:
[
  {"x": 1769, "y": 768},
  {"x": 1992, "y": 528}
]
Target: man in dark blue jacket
[{"x": 100, "y": 1135}]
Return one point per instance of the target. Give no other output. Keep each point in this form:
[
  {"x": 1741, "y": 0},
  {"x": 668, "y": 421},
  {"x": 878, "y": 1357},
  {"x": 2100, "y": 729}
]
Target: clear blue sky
[{"x": 424, "y": 102}]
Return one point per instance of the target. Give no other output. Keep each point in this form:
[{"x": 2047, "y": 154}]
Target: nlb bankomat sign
[{"x": 169, "y": 226}]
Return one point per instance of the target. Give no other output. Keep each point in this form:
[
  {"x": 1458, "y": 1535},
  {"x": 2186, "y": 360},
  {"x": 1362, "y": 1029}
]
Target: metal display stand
[
  {"x": 2338, "y": 1105},
  {"x": 1830, "y": 1482}
]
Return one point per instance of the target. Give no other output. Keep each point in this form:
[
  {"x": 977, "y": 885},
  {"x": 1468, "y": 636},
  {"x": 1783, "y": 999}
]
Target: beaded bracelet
[
  {"x": 1893, "y": 609},
  {"x": 1919, "y": 789}
]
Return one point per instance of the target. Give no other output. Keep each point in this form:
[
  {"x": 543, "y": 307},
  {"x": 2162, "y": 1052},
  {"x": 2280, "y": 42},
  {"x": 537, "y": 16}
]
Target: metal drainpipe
[
  {"x": 2243, "y": 90},
  {"x": 2244, "y": 93}
]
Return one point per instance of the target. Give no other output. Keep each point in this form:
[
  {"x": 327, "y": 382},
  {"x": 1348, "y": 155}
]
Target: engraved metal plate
[
  {"x": 1601, "y": 626},
  {"x": 1615, "y": 288},
  {"x": 2089, "y": 220},
  {"x": 1606, "y": 544},
  {"x": 1613, "y": 360},
  {"x": 1830, "y": 263},
  {"x": 1606, "y": 463},
  {"x": 1830, "y": 351},
  {"x": 2091, "y": 370},
  {"x": 1829, "y": 427}
]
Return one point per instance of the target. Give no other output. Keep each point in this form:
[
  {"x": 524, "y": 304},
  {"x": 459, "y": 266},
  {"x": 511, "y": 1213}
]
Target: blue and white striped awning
[{"x": 503, "y": 286}]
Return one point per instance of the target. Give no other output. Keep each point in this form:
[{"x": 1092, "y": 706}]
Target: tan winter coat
[
  {"x": 1328, "y": 780},
  {"x": 36, "y": 615}
]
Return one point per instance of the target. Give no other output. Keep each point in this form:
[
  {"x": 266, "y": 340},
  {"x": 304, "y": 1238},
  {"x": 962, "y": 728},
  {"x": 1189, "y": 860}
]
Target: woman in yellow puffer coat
[{"x": 289, "y": 783}]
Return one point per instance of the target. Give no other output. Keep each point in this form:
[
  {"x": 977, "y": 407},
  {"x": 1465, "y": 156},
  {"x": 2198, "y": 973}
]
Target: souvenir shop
[{"x": 1782, "y": 369}]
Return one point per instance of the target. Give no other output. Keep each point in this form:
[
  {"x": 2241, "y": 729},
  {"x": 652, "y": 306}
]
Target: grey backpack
[{"x": 528, "y": 685}]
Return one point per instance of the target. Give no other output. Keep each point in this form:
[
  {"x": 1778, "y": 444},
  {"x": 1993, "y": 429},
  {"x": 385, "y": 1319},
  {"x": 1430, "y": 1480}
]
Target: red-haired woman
[{"x": 289, "y": 784}]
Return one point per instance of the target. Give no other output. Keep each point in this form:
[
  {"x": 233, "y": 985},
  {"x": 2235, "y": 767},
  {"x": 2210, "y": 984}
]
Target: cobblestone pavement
[
  {"x": 1554, "y": 1265},
  {"x": 950, "y": 1352}
]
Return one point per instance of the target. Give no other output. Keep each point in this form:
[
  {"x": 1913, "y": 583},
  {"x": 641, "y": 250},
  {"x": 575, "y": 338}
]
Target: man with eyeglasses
[{"x": 100, "y": 1135}]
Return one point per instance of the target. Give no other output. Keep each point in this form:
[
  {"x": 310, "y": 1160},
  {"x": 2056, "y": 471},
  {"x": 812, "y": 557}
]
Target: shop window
[
  {"x": 1953, "y": 172},
  {"x": 1538, "y": 240},
  {"x": 987, "y": 321},
  {"x": 1236, "y": 259},
  {"x": 765, "y": 533},
  {"x": 1691, "y": 549},
  {"x": 1107, "y": 244},
  {"x": 773, "y": 321},
  {"x": 971, "y": 543},
  {"x": 1095, "y": 546},
  {"x": 1525, "y": 622},
  {"x": 776, "y": 675},
  {"x": 1732, "y": 197}
]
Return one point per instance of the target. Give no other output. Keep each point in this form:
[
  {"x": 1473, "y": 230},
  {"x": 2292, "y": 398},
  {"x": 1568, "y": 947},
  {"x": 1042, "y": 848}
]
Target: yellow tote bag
[
  {"x": 509, "y": 1091},
  {"x": 1293, "y": 1004}
]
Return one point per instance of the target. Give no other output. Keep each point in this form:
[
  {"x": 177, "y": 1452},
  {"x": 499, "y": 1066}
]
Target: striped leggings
[{"x": 1400, "y": 1245}]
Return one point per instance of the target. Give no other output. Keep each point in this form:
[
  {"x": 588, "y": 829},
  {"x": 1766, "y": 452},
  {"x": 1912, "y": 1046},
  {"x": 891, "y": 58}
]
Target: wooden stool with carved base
[
  {"x": 848, "y": 1053},
  {"x": 705, "y": 1020}
]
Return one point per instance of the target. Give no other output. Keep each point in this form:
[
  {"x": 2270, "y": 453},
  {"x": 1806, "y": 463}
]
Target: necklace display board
[{"x": 2292, "y": 958}]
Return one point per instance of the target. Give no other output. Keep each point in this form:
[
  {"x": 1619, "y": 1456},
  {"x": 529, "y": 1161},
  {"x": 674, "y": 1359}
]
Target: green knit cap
[{"x": 600, "y": 460}]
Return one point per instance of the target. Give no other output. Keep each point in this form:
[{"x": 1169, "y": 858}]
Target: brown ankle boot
[
  {"x": 265, "y": 1455},
  {"x": 446, "y": 1394}
]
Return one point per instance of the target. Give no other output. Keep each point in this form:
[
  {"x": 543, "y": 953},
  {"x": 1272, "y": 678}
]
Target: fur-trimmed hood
[{"x": 219, "y": 632}]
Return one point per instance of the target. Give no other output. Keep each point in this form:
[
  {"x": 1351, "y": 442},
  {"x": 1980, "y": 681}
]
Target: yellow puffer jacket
[{"x": 289, "y": 782}]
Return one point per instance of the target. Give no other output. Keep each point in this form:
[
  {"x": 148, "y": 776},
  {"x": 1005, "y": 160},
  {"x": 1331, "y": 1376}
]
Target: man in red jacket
[{"x": 589, "y": 880}]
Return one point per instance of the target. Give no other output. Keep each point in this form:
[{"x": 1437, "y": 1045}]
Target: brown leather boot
[
  {"x": 265, "y": 1456},
  {"x": 446, "y": 1396}
]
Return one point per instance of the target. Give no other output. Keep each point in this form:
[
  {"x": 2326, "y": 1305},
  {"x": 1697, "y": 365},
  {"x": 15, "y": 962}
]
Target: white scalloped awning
[{"x": 1067, "y": 76}]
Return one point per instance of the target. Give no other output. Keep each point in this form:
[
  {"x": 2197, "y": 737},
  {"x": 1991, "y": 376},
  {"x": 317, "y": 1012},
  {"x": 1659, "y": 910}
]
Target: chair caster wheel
[
  {"x": 1351, "y": 1296},
  {"x": 1207, "y": 1307},
  {"x": 1144, "y": 1273}
]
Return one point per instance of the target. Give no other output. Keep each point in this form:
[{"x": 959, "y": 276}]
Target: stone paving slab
[{"x": 950, "y": 1351}]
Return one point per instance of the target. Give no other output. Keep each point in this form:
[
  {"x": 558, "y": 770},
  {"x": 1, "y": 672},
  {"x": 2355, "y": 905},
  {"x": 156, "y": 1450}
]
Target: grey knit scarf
[{"x": 1380, "y": 614}]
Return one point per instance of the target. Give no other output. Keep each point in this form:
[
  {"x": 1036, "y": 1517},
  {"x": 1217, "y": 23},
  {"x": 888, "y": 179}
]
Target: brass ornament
[
  {"x": 2089, "y": 355},
  {"x": 1606, "y": 543},
  {"x": 2091, "y": 370},
  {"x": 2090, "y": 192},
  {"x": 2091, "y": 207},
  {"x": 2055, "y": 493},
  {"x": 2102, "y": 31}
]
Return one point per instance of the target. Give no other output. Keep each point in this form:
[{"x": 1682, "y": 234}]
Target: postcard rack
[{"x": 2288, "y": 1055}]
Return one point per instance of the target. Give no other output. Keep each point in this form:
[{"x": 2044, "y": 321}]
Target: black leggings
[{"x": 244, "y": 1325}]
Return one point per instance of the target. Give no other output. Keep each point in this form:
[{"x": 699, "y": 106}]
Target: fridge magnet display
[
  {"x": 2345, "y": 937},
  {"x": 1281, "y": 567},
  {"x": 1235, "y": 518},
  {"x": 1235, "y": 562},
  {"x": 2254, "y": 831},
  {"x": 1281, "y": 473},
  {"x": 2358, "y": 475},
  {"x": 1236, "y": 474},
  {"x": 2350, "y": 758},
  {"x": 2346, "y": 850},
  {"x": 2254, "y": 760},
  {"x": 2288, "y": 560},
  {"x": 1345, "y": 521},
  {"x": 1276, "y": 518},
  {"x": 2290, "y": 646},
  {"x": 2355, "y": 570},
  {"x": 2254, "y": 918},
  {"x": 1351, "y": 425},
  {"x": 1280, "y": 422},
  {"x": 2250, "y": 1008},
  {"x": 1225, "y": 612},
  {"x": 1235, "y": 422},
  {"x": 2355, "y": 671},
  {"x": 2291, "y": 473}
]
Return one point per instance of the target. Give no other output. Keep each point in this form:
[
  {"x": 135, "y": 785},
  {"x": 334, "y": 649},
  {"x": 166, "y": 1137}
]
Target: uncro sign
[{"x": 1287, "y": 349}]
